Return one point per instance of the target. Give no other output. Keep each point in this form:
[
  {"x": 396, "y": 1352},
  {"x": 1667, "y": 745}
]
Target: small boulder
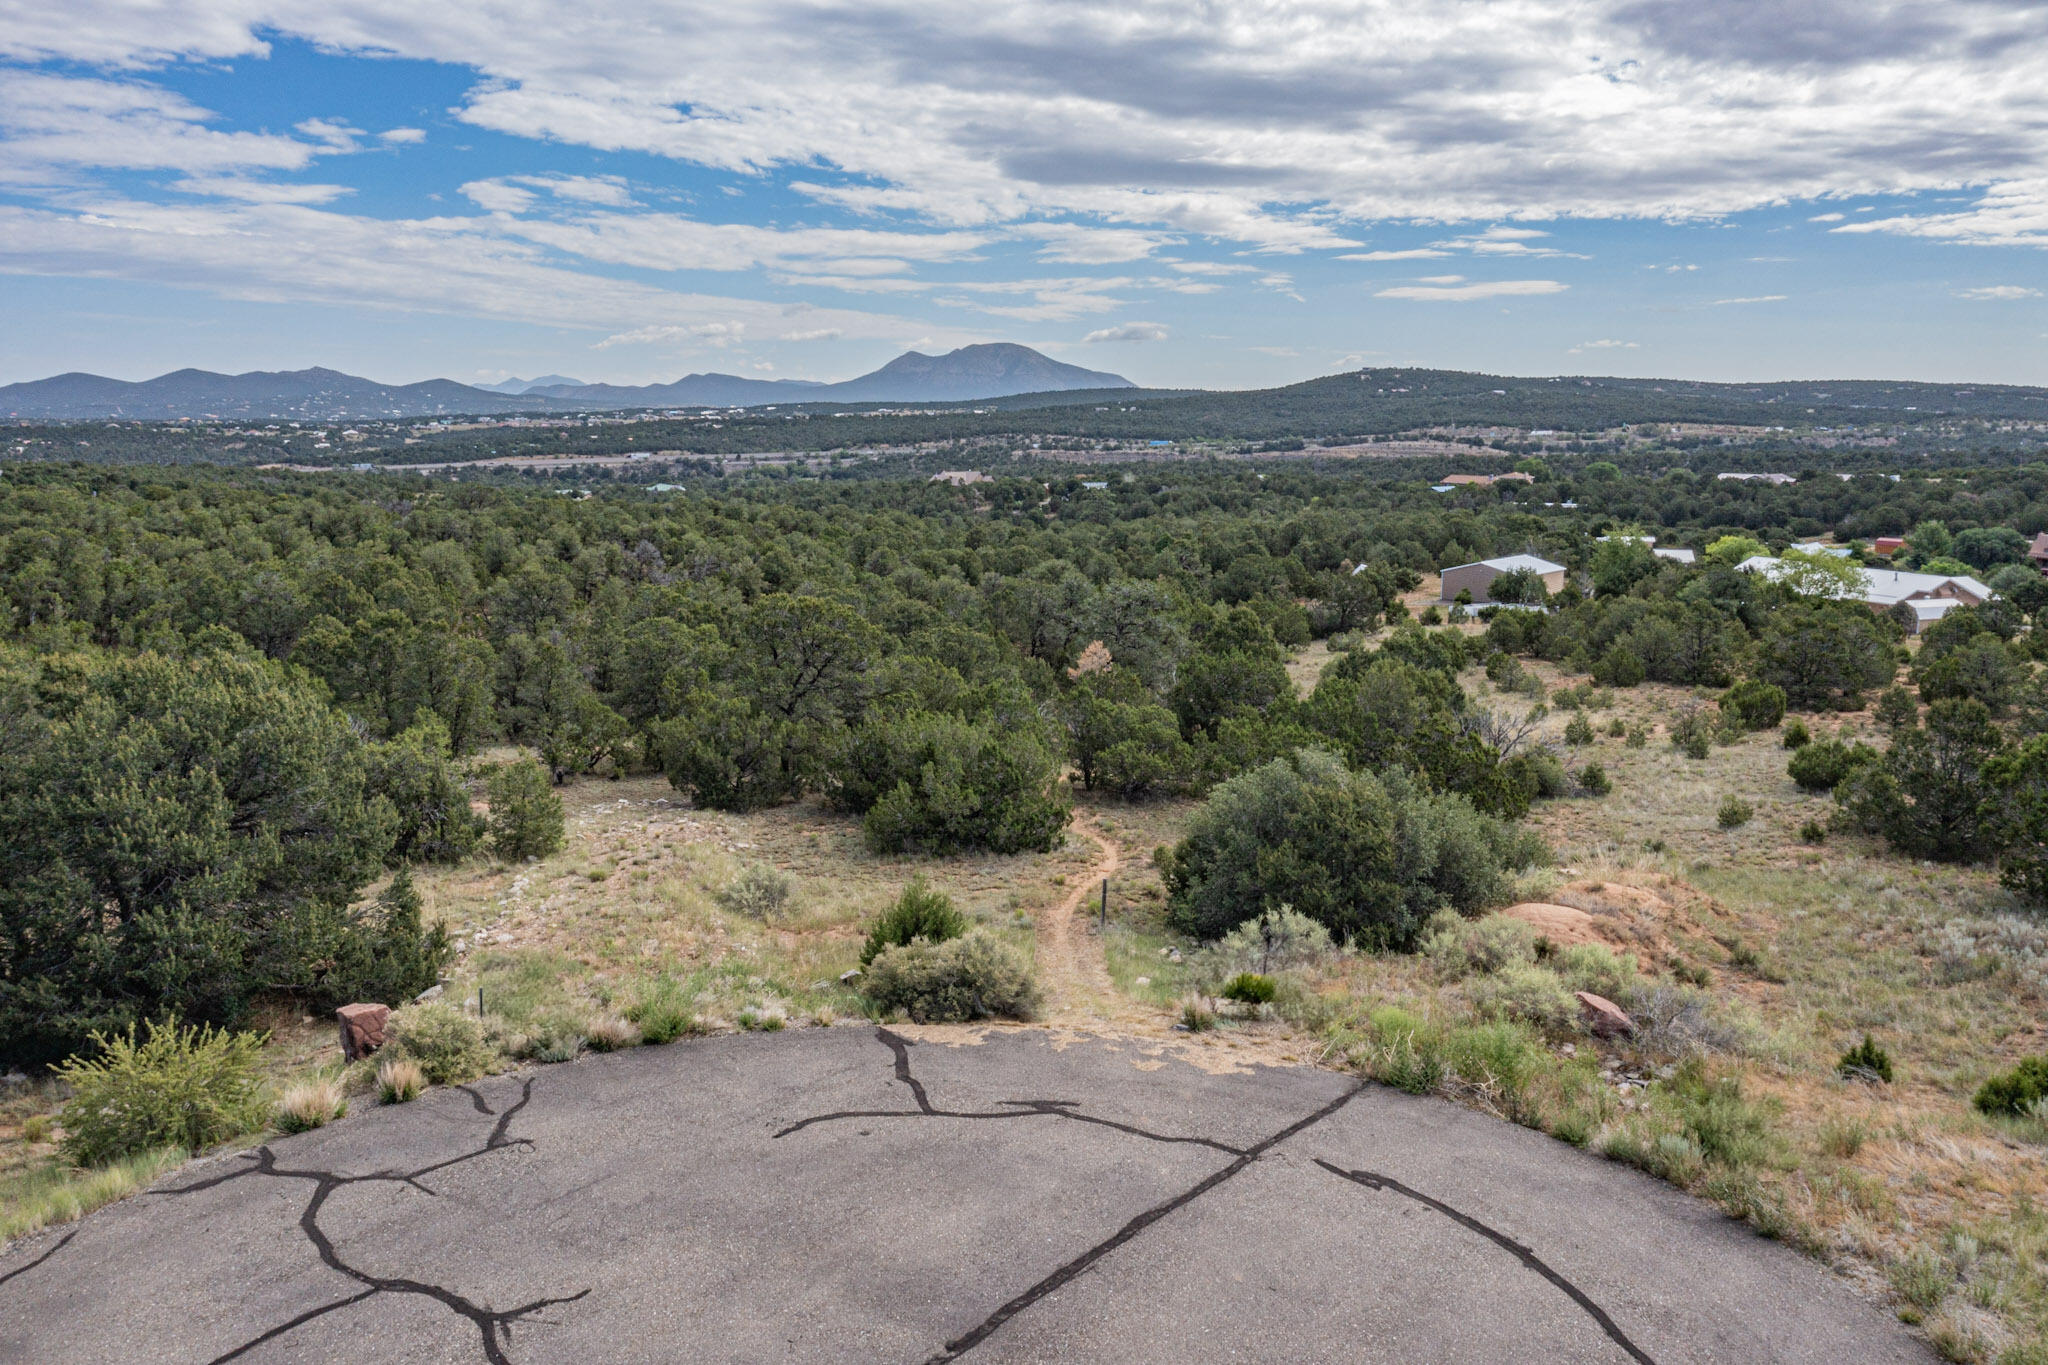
[
  {"x": 362, "y": 1029},
  {"x": 1605, "y": 1018}
]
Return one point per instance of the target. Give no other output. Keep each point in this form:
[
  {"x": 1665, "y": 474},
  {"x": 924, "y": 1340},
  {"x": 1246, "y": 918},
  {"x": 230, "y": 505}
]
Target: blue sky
[{"x": 1215, "y": 195}]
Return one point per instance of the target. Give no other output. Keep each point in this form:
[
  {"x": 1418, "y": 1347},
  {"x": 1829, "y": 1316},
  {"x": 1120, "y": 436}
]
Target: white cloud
[
  {"x": 1999, "y": 292},
  {"x": 1753, "y": 298},
  {"x": 1827, "y": 218},
  {"x": 1448, "y": 291},
  {"x": 402, "y": 135},
  {"x": 2009, "y": 213},
  {"x": 1421, "y": 253},
  {"x": 1603, "y": 345},
  {"x": 1129, "y": 331},
  {"x": 719, "y": 334},
  {"x": 813, "y": 334}
]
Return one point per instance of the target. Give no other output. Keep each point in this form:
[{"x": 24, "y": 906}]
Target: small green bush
[
  {"x": 1617, "y": 728},
  {"x": 448, "y": 1044},
  {"x": 1523, "y": 991},
  {"x": 1813, "y": 832},
  {"x": 1825, "y": 764},
  {"x": 919, "y": 913},
  {"x": 664, "y": 1012},
  {"x": 759, "y": 891},
  {"x": 1734, "y": 812},
  {"x": 1197, "y": 1017},
  {"x": 1796, "y": 735},
  {"x": 975, "y": 976},
  {"x": 1693, "y": 732},
  {"x": 1865, "y": 1062},
  {"x": 1753, "y": 705},
  {"x": 176, "y": 1087},
  {"x": 1638, "y": 737},
  {"x": 1599, "y": 969},
  {"x": 1456, "y": 947},
  {"x": 1594, "y": 781},
  {"x": 1249, "y": 988},
  {"x": 554, "y": 1040},
  {"x": 1578, "y": 730},
  {"x": 526, "y": 811},
  {"x": 2016, "y": 1091},
  {"x": 1404, "y": 1052}
]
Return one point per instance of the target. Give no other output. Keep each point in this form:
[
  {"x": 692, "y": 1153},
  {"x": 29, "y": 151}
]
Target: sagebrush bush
[
  {"x": 1525, "y": 992},
  {"x": 2016, "y": 1091},
  {"x": 1196, "y": 1017},
  {"x": 920, "y": 912},
  {"x": 309, "y": 1105},
  {"x": 1249, "y": 988},
  {"x": 975, "y": 976},
  {"x": 1599, "y": 969},
  {"x": 175, "y": 1087},
  {"x": 1865, "y": 1061},
  {"x": 759, "y": 891},
  {"x": 1458, "y": 947},
  {"x": 1279, "y": 940},
  {"x": 399, "y": 1080},
  {"x": 449, "y": 1045},
  {"x": 1734, "y": 812},
  {"x": 552, "y": 1040}
]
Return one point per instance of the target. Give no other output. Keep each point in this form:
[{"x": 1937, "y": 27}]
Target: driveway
[{"x": 853, "y": 1194}]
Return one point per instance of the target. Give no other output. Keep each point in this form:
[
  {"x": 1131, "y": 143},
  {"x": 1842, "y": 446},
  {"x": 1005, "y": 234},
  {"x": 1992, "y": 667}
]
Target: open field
[{"x": 1796, "y": 949}]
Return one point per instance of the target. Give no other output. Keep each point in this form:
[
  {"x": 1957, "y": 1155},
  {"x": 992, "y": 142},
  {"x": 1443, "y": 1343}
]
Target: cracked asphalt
[{"x": 853, "y": 1194}]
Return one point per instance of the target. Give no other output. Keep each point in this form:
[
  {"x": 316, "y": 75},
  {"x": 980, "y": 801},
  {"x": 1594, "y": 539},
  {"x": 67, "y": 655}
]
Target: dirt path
[{"x": 1070, "y": 963}]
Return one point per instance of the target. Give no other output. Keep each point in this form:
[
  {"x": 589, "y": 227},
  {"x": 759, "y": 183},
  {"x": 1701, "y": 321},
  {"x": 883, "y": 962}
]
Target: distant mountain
[
  {"x": 991, "y": 371},
  {"x": 526, "y": 385},
  {"x": 292, "y": 395}
]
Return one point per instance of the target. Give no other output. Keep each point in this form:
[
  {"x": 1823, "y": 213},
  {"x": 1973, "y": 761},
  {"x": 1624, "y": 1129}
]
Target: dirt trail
[{"x": 1070, "y": 963}]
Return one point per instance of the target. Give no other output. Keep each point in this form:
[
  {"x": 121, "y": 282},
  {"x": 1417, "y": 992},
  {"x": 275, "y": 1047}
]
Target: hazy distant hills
[{"x": 989, "y": 371}]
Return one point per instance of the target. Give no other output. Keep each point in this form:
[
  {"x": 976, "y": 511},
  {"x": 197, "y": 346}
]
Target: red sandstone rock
[
  {"x": 362, "y": 1029},
  {"x": 1604, "y": 1017}
]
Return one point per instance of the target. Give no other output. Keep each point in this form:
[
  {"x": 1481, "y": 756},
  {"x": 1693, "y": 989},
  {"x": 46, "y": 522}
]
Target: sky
[{"x": 1188, "y": 192}]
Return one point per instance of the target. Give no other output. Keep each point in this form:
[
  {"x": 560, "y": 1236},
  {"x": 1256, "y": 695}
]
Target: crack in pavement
[
  {"x": 961, "y": 1345},
  {"x": 24, "y": 1269},
  {"x": 493, "y": 1326},
  {"x": 1018, "y": 1109},
  {"x": 1374, "y": 1181}
]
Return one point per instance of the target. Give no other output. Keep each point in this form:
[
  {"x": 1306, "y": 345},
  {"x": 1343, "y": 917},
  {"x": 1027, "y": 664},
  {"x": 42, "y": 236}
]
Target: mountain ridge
[{"x": 991, "y": 370}]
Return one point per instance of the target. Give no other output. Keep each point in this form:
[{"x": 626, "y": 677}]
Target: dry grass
[
  {"x": 399, "y": 1080},
  {"x": 309, "y": 1104}
]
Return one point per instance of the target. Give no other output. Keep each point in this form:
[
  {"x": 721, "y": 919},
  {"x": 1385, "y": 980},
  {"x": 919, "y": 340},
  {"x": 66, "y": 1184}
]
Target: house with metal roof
[{"x": 1477, "y": 577}]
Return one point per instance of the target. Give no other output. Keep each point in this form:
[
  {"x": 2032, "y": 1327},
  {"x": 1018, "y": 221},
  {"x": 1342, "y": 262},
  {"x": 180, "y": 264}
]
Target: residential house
[
  {"x": 2037, "y": 553},
  {"x": 1476, "y": 578},
  {"x": 1675, "y": 554},
  {"x": 1931, "y": 595}
]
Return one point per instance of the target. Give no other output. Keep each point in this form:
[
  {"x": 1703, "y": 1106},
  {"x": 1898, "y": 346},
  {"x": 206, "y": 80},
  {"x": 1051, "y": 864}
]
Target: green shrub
[
  {"x": 177, "y": 1087},
  {"x": 1526, "y": 992},
  {"x": 975, "y": 976},
  {"x": 1813, "y": 832},
  {"x": 552, "y": 1040},
  {"x": 1796, "y": 735},
  {"x": 944, "y": 785},
  {"x": 1197, "y": 1017},
  {"x": 2016, "y": 1091},
  {"x": 1458, "y": 947},
  {"x": 1734, "y": 812},
  {"x": 759, "y": 891},
  {"x": 1617, "y": 728},
  {"x": 1896, "y": 709},
  {"x": 1824, "y": 764},
  {"x": 1597, "y": 968},
  {"x": 1578, "y": 730},
  {"x": 1753, "y": 705},
  {"x": 664, "y": 1012},
  {"x": 1638, "y": 737},
  {"x": 1594, "y": 781},
  {"x": 526, "y": 811},
  {"x": 337, "y": 955},
  {"x": 1277, "y": 940},
  {"x": 1865, "y": 1061},
  {"x": 448, "y": 1045},
  {"x": 1404, "y": 1051},
  {"x": 1693, "y": 733},
  {"x": 1727, "y": 1127},
  {"x": 919, "y": 913},
  {"x": 1249, "y": 988}
]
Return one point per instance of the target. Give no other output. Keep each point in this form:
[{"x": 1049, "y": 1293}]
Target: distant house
[
  {"x": 1888, "y": 546},
  {"x": 1476, "y": 480},
  {"x": 1760, "y": 478},
  {"x": 1477, "y": 578},
  {"x": 1818, "y": 547},
  {"x": 1931, "y": 595},
  {"x": 1675, "y": 555},
  {"x": 1486, "y": 480},
  {"x": 959, "y": 477},
  {"x": 2037, "y": 553}
]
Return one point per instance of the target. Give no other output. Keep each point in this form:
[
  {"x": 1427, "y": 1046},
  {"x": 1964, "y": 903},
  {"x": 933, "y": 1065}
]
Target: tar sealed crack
[{"x": 494, "y": 1326}]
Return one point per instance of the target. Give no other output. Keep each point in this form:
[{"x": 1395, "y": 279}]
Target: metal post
[{"x": 1105, "y": 905}]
